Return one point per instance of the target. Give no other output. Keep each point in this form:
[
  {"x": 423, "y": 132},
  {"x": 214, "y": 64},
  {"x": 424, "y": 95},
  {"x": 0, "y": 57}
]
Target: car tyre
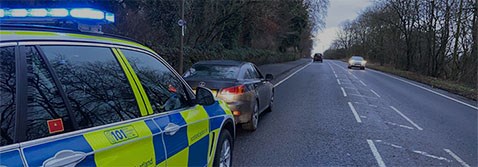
[
  {"x": 254, "y": 121},
  {"x": 271, "y": 104},
  {"x": 225, "y": 145},
  {"x": 362, "y": 68},
  {"x": 349, "y": 67}
]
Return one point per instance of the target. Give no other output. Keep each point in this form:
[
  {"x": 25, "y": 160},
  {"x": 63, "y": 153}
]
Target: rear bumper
[
  {"x": 241, "y": 106},
  {"x": 245, "y": 110}
]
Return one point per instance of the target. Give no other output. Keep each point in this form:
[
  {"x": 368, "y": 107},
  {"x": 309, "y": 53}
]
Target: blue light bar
[
  {"x": 110, "y": 17},
  {"x": 18, "y": 13},
  {"x": 58, "y": 12},
  {"x": 38, "y": 12},
  {"x": 87, "y": 13}
]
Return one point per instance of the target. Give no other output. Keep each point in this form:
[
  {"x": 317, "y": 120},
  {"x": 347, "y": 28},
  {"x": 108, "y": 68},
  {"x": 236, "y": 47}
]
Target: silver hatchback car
[{"x": 357, "y": 61}]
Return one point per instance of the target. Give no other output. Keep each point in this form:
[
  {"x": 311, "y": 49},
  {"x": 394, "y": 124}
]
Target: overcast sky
[{"x": 339, "y": 11}]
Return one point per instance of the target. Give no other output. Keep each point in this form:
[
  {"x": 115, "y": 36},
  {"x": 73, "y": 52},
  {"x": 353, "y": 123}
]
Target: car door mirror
[
  {"x": 204, "y": 96},
  {"x": 269, "y": 77}
]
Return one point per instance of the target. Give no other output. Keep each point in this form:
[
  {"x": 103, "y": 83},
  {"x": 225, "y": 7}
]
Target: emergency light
[{"x": 55, "y": 13}]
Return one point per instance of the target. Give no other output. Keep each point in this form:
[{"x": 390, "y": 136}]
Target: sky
[{"x": 338, "y": 12}]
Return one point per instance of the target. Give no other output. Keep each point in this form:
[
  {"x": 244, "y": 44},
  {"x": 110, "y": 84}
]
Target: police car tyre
[
  {"x": 223, "y": 155},
  {"x": 254, "y": 121}
]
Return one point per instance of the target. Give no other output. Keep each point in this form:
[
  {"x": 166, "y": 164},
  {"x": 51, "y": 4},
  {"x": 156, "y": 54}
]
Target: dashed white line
[
  {"x": 375, "y": 153},
  {"x": 463, "y": 163},
  {"x": 338, "y": 81},
  {"x": 277, "y": 84},
  {"x": 362, "y": 83},
  {"x": 408, "y": 119},
  {"x": 335, "y": 75},
  {"x": 362, "y": 96},
  {"x": 395, "y": 124},
  {"x": 343, "y": 91},
  {"x": 357, "y": 117},
  {"x": 376, "y": 94},
  {"x": 429, "y": 90}
]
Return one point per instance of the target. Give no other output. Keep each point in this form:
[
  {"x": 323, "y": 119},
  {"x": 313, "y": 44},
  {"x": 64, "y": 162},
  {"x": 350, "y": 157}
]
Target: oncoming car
[
  {"x": 357, "y": 61},
  {"x": 240, "y": 84},
  {"x": 72, "y": 98}
]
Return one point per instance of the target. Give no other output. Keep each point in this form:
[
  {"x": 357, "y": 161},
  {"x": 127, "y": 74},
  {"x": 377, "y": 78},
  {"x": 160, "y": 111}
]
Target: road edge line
[
  {"x": 429, "y": 90},
  {"x": 280, "y": 82}
]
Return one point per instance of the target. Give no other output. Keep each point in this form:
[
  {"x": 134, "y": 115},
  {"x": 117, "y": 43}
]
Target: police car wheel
[
  {"x": 223, "y": 155},
  {"x": 254, "y": 121}
]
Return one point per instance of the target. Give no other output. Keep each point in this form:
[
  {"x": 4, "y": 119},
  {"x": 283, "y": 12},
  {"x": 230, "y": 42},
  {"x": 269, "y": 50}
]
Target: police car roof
[{"x": 22, "y": 32}]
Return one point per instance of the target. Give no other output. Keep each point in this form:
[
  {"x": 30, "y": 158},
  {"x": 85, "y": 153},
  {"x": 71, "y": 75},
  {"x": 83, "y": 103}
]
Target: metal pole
[{"x": 181, "y": 54}]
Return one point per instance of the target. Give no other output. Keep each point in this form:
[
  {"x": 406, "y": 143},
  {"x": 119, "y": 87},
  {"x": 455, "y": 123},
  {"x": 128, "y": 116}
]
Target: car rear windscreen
[{"x": 212, "y": 71}]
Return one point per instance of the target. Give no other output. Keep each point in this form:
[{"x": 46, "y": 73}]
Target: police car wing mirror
[{"x": 204, "y": 96}]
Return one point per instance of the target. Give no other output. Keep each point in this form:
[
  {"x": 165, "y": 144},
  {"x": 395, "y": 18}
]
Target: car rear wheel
[
  {"x": 223, "y": 155},
  {"x": 271, "y": 104},
  {"x": 362, "y": 68},
  {"x": 254, "y": 121}
]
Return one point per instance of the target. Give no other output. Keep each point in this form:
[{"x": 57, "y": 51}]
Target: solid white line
[
  {"x": 277, "y": 84},
  {"x": 338, "y": 81},
  {"x": 408, "y": 119},
  {"x": 343, "y": 91},
  {"x": 362, "y": 83},
  {"x": 355, "y": 113},
  {"x": 375, "y": 153},
  {"x": 463, "y": 163},
  {"x": 429, "y": 90},
  {"x": 375, "y": 93}
]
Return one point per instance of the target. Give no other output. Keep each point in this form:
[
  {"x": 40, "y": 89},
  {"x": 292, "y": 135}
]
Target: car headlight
[
  {"x": 351, "y": 62},
  {"x": 364, "y": 62}
]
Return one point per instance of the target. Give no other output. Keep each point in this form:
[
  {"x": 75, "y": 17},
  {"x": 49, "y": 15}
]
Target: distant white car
[{"x": 357, "y": 61}]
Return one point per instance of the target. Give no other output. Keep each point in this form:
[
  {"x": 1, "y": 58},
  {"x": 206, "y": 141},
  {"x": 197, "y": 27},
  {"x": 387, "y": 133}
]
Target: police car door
[
  {"x": 185, "y": 125},
  {"x": 84, "y": 108}
]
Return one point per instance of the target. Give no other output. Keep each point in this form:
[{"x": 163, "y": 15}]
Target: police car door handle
[
  {"x": 171, "y": 129},
  {"x": 68, "y": 158}
]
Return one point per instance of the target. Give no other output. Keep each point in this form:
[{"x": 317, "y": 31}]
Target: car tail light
[{"x": 234, "y": 90}]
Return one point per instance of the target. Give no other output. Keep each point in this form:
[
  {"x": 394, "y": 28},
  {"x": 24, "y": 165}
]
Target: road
[{"x": 328, "y": 115}]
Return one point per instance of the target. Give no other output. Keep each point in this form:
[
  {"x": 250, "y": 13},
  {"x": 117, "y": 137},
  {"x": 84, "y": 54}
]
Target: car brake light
[{"x": 234, "y": 90}]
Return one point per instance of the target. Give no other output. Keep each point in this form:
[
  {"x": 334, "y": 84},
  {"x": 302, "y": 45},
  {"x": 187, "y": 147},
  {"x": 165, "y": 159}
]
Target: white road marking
[
  {"x": 408, "y": 119},
  {"x": 335, "y": 75},
  {"x": 375, "y": 93},
  {"x": 429, "y": 90},
  {"x": 463, "y": 163},
  {"x": 362, "y": 83},
  {"x": 350, "y": 88},
  {"x": 395, "y": 124},
  {"x": 375, "y": 153},
  {"x": 357, "y": 118},
  {"x": 362, "y": 96},
  {"x": 353, "y": 76},
  {"x": 338, "y": 81},
  {"x": 343, "y": 91},
  {"x": 277, "y": 84},
  {"x": 414, "y": 151}
]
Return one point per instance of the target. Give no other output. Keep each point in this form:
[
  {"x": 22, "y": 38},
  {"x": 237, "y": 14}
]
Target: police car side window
[
  {"x": 46, "y": 111},
  {"x": 95, "y": 84},
  {"x": 164, "y": 89},
  {"x": 7, "y": 95}
]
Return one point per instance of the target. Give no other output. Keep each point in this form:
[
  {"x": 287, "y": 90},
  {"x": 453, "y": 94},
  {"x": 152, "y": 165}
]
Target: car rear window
[{"x": 213, "y": 71}]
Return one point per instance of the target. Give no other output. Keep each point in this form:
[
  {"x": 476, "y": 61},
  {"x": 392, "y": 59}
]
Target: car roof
[
  {"x": 222, "y": 62},
  {"x": 17, "y": 33}
]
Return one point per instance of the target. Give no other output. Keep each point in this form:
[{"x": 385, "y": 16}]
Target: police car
[{"x": 76, "y": 98}]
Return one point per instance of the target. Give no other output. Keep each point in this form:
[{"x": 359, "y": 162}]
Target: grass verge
[{"x": 450, "y": 86}]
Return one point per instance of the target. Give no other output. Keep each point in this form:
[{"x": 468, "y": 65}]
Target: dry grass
[{"x": 450, "y": 86}]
